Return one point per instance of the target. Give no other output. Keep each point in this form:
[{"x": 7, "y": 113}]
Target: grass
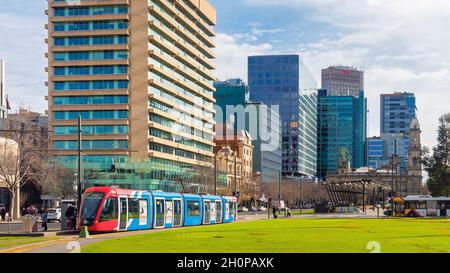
[
  {"x": 290, "y": 236},
  {"x": 6, "y": 242}
]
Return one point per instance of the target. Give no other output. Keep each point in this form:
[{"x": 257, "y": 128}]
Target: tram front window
[
  {"x": 110, "y": 210},
  {"x": 91, "y": 202}
]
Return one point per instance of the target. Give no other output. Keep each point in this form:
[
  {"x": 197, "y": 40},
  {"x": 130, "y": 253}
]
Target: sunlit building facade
[{"x": 140, "y": 74}]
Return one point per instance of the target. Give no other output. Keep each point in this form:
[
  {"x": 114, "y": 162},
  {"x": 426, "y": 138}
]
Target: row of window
[
  {"x": 92, "y": 130},
  {"x": 91, "y": 145},
  {"x": 91, "y": 55},
  {"x": 180, "y": 127},
  {"x": 181, "y": 140},
  {"x": 90, "y": 40},
  {"x": 89, "y": 11},
  {"x": 90, "y": 70},
  {"x": 73, "y": 115},
  {"x": 170, "y": 150},
  {"x": 93, "y": 25},
  {"x": 89, "y": 85},
  {"x": 89, "y": 100}
]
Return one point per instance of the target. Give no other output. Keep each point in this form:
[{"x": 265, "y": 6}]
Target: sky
[{"x": 402, "y": 45}]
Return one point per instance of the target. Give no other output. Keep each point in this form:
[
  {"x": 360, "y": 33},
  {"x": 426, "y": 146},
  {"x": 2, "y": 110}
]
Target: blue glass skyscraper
[
  {"x": 285, "y": 81},
  {"x": 341, "y": 130}
]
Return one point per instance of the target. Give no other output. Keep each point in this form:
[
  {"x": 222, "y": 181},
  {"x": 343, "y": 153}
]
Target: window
[
  {"x": 109, "y": 210},
  {"x": 133, "y": 208},
  {"x": 193, "y": 208}
]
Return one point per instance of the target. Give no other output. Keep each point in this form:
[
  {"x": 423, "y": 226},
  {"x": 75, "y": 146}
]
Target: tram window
[
  {"x": 133, "y": 208},
  {"x": 193, "y": 208},
  {"x": 109, "y": 210},
  {"x": 421, "y": 205}
]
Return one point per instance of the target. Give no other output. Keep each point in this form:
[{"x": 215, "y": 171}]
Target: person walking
[
  {"x": 288, "y": 213},
  {"x": 274, "y": 211},
  {"x": 3, "y": 213},
  {"x": 44, "y": 217}
]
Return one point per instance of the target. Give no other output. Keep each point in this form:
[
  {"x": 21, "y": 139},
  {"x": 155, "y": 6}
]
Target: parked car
[
  {"x": 254, "y": 209},
  {"x": 262, "y": 208},
  {"x": 54, "y": 215}
]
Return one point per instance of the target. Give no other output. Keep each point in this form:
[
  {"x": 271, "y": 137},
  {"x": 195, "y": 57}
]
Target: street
[{"x": 18, "y": 227}]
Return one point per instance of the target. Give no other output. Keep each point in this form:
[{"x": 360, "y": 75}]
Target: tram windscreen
[{"x": 91, "y": 203}]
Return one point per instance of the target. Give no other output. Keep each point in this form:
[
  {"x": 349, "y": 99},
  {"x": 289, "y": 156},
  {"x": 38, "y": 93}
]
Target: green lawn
[
  {"x": 6, "y": 242},
  {"x": 291, "y": 235}
]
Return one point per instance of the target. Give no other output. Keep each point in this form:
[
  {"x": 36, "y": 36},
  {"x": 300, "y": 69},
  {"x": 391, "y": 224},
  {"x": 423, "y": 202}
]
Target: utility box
[
  {"x": 65, "y": 222},
  {"x": 27, "y": 224}
]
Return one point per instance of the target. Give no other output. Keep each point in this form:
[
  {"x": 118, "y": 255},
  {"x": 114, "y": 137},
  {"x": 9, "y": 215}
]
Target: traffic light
[
  {"x": 113, "y": 168},
  {"x": 237, "y": 194}
]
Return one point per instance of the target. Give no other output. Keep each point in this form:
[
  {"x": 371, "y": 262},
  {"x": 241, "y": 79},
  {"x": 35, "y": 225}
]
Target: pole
[
  {"x": 279, "y": 188},
  {"x": 215, "y": 174},
  {"x": 364, "y": 197},
  {"x": 79, "y": 189},
  {"x": 235, "y": 173},
  {"x": 301, "y": 202},
  {"x": 392, "y": 188}
]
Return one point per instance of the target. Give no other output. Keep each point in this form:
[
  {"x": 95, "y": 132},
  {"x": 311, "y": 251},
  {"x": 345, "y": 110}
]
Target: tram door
[
  {"x": 160, "y": 212},
  {"x": 123, "y": 213},
  {"x": 218, "y": 212},
  {"x": 207, "y": 212},
  {"x": 177, "y": 212}
]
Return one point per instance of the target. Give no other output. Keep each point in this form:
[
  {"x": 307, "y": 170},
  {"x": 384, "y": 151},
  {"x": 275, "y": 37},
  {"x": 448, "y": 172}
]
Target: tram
[
  {"x": 422, "y": 206},
  {"x": 107, "y": 209}
]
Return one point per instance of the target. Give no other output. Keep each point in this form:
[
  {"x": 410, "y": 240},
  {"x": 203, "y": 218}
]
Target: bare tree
[
  {"x": 59, "y": 181},
  {"x": 21, "y": 160}
]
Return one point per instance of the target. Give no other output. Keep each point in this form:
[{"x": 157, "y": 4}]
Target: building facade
[
  {"x": 342, "y": 130},
  {"x": 235, "y": 159},
  {"x": 400, "y": 183},
  {"x": 140, "y": 74},
  {"x": 284, "y": 80},
  {"x": 396, "y": 112},
  {"x": 262, "y": 122},
  {"x": 381, "y": 149},
  {"x": 232, "y": 92},
  {"x": 342, "y": 81}
]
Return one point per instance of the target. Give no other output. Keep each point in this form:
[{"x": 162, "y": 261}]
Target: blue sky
[{"x": 402, "y": 46}]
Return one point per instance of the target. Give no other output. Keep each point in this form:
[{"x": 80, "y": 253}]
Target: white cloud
[
  {"x": 232, "y": 55},
  {"x": 402, "y": 44}
]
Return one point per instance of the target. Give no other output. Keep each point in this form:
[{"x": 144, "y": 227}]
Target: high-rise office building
[
  {"x": 3, "y": 105},
  {"x": 381, "y": 149},
  {"x": 396, "y": 113},
  {"x": 284, "y": 80},
  {"x": 232, "y": 92},
  {"x": 341, "y": 131},
  {"x": 140, "y": 75},
  {"x": 267, "y": 147},
  {"x": 342, "y": 81}
]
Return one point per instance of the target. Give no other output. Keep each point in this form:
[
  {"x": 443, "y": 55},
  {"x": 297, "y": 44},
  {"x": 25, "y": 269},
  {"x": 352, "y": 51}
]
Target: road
[{"x": 18, "y": 227}]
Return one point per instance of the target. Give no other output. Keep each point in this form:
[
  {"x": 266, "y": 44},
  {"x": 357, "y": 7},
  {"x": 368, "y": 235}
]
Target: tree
[
  {"x": 438, "y": 164},
  {"x": 21, "y": 160},
  {"x": 59, "y": 182}
]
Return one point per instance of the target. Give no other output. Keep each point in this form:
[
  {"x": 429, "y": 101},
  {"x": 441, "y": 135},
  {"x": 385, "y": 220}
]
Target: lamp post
[{"x": 79, "y": 183}]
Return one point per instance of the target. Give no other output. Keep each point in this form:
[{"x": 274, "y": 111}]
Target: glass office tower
[
  {"x": 140, "y": 74},
  {"x": 285, "y": 81},
  {"x": 396, "y": 112},
  {"x": 341, "y": 130}
]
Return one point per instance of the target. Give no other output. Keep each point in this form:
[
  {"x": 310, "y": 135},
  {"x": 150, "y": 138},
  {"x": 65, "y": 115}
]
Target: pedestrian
[
  {"x": 3, "y": 213},
  {"x": 274, "y": 211},
  {"x": 288, "y": 213},
  {"x": 45, "y": 219}
]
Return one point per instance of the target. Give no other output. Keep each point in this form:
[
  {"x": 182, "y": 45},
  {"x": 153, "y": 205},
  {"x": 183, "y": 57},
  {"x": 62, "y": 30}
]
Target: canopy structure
[{"x": 356, "y": 192}]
